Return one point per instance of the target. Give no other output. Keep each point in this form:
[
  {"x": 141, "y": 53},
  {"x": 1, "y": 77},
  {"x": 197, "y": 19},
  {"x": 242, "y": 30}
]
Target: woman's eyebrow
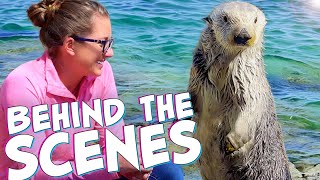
[{"x": 106, "y": 37}]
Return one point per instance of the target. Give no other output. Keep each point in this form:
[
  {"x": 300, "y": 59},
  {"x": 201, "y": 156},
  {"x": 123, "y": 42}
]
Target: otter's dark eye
[
  {"x": 225, "y": 18},
  {"x": 255, "y": 20}
]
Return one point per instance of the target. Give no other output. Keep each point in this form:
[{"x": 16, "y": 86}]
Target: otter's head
[{"x": 237, "y": 25}]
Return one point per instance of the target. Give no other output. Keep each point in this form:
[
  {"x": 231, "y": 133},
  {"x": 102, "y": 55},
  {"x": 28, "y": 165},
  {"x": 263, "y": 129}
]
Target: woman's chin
[
  {"x": 97, "y": 70},
  {"x": 97, "y": 73}
]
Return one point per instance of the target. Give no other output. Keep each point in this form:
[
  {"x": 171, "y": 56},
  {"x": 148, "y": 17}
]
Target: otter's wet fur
[{"x": 232, "y": 100}]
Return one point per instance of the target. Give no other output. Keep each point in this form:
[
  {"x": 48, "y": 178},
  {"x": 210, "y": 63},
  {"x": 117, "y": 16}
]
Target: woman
[{"x": 77, "y": 37}]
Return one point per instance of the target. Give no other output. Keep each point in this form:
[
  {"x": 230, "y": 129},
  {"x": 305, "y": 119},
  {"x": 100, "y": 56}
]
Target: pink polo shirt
[{"x": 37, "y": 82}]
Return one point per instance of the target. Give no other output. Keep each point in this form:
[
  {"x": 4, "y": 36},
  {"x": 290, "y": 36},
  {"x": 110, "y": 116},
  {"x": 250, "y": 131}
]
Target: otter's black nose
[{"x": 243, "y": 37}]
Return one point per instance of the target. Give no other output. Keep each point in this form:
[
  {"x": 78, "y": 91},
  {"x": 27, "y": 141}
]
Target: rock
[
  {"x": 295, "y": 173},
  {"x": 312, "y": 173}
]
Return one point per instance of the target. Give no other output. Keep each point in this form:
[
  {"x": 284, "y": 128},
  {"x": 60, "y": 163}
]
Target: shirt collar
[{"x": 55, "y": 85}]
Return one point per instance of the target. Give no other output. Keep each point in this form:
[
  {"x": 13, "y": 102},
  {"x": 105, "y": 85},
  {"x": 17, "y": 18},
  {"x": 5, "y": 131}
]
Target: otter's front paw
[
  {"x": 234, "y": 142},
  {"x": 236, "y": 145}
]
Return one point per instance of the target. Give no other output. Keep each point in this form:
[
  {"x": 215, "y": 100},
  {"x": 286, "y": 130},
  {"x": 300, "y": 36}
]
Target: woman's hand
[{"x": 130, "y": 172}]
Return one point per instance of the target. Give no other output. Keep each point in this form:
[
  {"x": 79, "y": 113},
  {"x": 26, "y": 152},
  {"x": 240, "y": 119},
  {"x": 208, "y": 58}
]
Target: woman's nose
[{"x": 109, "y": 53}]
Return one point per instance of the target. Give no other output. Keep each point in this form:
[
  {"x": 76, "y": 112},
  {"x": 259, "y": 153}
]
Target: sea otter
[{"x": 233, "y": 105}]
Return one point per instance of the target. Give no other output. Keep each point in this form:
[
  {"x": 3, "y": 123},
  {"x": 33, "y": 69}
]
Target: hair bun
[{"x": 41, "y": 13}]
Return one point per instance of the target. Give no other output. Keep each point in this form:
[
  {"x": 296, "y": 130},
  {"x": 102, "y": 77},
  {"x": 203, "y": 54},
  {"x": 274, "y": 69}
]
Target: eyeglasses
[{"x": 106, "y": 44}]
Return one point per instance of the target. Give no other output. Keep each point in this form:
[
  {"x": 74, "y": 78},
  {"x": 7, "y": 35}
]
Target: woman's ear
[
  {"x": 69, "y": 45},
  {"x": 207, "y": 19}
]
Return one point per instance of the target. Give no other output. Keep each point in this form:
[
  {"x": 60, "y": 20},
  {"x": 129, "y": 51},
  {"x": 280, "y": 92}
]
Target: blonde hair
[{"x": 59, "y": 19}]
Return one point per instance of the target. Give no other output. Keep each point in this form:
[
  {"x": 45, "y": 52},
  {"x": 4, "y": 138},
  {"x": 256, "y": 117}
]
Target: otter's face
[{"x": 237, "y": 25}]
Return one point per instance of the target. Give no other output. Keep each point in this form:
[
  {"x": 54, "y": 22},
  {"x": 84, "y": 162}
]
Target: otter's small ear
[{"x": 207, "y": 19}]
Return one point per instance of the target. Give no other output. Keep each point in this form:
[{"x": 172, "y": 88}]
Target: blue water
[{"x": 153, "y": 55}]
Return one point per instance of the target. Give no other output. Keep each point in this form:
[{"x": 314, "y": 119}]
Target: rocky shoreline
[{"x": 310, "y": 172}]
